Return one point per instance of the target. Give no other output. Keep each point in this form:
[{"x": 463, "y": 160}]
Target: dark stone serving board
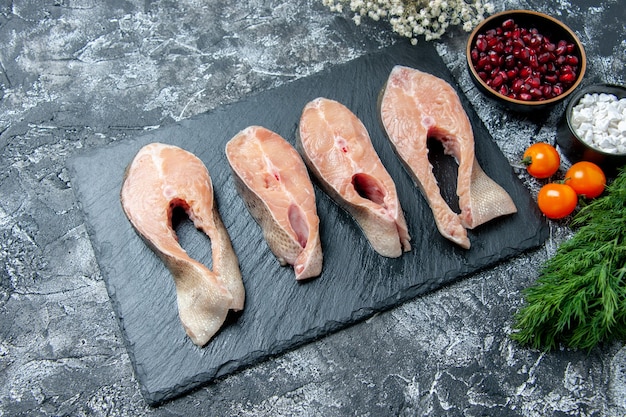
[{"x": 281, "y": 313}]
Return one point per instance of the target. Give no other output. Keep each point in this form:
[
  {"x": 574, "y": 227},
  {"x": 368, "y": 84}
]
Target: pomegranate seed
[
  {"x": 568, "y": 77},
  {"x": 494, "y": 57},
  {"x": 534, "y": 82},
  {"x": 536, "y": 41},
  {"x": 525, "y": 72},
  {"x": 481, "y": 44},
  {"x": 474, "y": 55},
  {"x": 571, "y": 59},
  {"x": 508, "y": 24},
  {"x": 551, "y": 78},
  {"x": 525, "y": 96},
  {"x": 482, "y": 61},
  {"x": 549, "y": 46},
  {"x": 570, "y": 48},
  {"x": 524, "y": 53},
  {"x": 509, "y": 61},
  {"x": 497, "y": 81},
  {"x": 546, "y": 90},
  {"x": 544, "y": 57},
  {"x": 557, "y": 90},
  {"x": 511, "y": 73}
]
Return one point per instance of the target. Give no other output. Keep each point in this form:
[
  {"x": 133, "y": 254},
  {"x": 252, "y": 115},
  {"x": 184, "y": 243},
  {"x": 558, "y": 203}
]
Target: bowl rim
[
  {"x": 591, "y": 88},
  {"x": 480, "y": 26}
]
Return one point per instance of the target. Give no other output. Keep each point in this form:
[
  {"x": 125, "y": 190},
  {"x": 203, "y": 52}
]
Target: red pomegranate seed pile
[{"x": 523, "y": 64}]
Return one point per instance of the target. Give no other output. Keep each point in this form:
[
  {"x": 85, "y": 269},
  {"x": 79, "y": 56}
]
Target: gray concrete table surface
[{"x": 77, "y": 75}]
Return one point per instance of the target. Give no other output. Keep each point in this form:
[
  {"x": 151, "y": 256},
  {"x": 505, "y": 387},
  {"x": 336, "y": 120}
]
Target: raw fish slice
[
  {"x": 414, "y": 106},
  {"x": 338, "y": 150},
  {"x": 275, "y": 185},
  {"x": 159, "y": 179}
]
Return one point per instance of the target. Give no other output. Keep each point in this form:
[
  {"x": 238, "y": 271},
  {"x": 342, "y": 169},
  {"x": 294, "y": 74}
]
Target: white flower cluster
[{"x": 413, "y": 18}]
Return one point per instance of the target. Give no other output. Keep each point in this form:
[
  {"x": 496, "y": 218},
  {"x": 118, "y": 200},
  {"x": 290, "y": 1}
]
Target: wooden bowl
[{"x": 548, "y": 27}]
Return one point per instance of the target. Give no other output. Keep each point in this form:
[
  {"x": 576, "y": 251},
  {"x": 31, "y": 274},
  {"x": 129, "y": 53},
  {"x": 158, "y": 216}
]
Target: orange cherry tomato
[
  {"x": 586, "y": 178},
  {"x": 542, "y": 160},
  {"x": 557, "y": 200}
]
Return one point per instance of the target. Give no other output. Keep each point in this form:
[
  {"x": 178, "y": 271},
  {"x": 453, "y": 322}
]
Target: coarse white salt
[{"x": 599, "y": 119}]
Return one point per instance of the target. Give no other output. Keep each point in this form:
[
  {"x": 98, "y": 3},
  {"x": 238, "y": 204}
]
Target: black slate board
[{"x": 280, "y": 313}]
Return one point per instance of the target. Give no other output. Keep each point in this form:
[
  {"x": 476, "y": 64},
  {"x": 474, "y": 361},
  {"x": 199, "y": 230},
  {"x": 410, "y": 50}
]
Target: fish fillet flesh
[
  {"x": 415, "y": 106},
  {"x": 159, "y": 179},
  {"x": 274, "y": 183},
  {"x": 339, "y": 152}
]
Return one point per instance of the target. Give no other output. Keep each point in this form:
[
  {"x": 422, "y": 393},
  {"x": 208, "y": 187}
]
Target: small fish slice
[
  {"x": 338, "y": 150},
  {"x": 273, "y": 181},
  {"x": 159, "y": 179},
  {"x": 414, "y": 106}
]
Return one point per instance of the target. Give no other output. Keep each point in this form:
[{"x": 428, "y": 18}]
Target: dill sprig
[{"x": 579, "y": 299}]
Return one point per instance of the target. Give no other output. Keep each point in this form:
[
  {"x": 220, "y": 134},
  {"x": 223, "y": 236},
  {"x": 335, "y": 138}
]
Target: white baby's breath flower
[{"x": 417, "y": 18}]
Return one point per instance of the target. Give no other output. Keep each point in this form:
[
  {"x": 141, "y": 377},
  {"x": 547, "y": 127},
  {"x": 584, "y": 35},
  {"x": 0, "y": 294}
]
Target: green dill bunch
[{"x": 579, "y": 299}]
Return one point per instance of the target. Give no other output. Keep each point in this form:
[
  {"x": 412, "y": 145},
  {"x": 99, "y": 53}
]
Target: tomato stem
[{"x": 527, "y": 160}]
